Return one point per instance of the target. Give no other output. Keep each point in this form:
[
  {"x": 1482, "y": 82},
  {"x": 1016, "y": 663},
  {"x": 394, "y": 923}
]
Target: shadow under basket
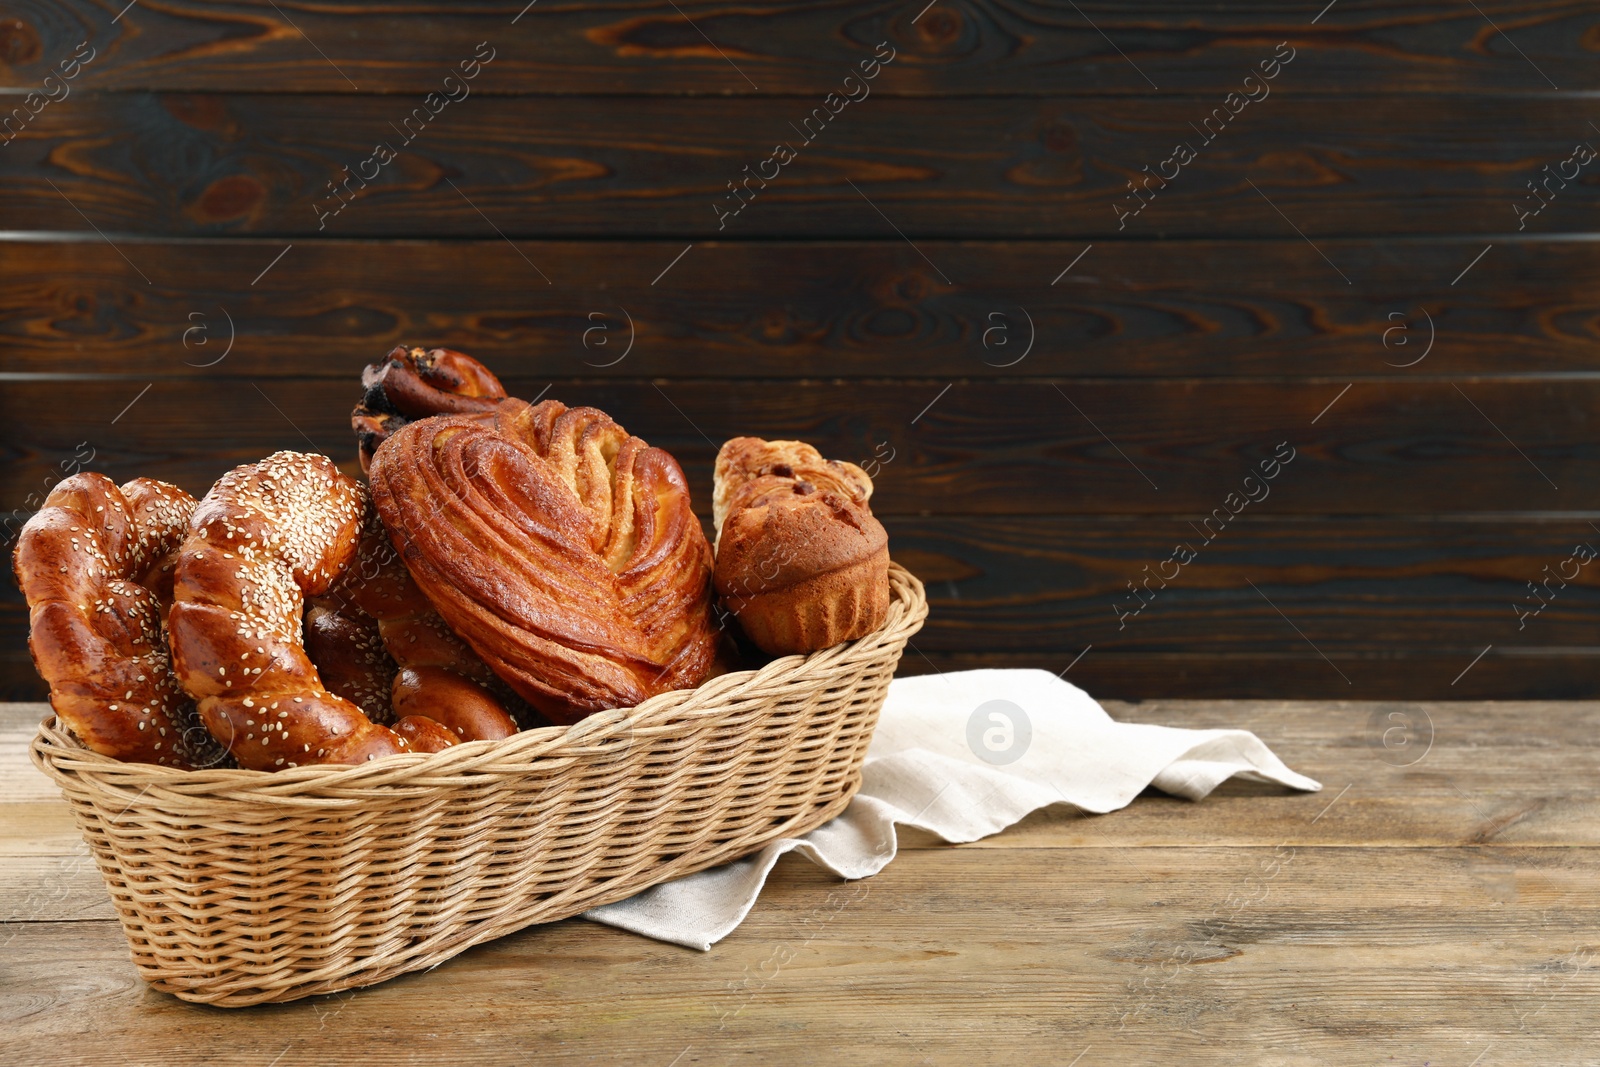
[{"x": 242, "y": 887}]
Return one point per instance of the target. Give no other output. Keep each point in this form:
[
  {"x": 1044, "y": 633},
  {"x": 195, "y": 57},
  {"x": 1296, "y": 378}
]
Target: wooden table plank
[
  {"x": 650, "y": 46},
  {"x": 661, "y": 167},
  {"x": 1518, "y": 673},
  {"x": 1443, "y": 912},
  {"x": 1309, "y": 956},
  {"x": 1405, "y": 447},
  {"x": 1478, "y": 782},
  {"x": 1354, "y": 587},
  {"x": 46, "y": 875},
  {"x": 823, "y": 309},
  {"x": 1451, "y": 774},
  {"x": 1499, "y": 673}
]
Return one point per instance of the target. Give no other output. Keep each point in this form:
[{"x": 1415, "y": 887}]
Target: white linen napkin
[{"x": 963, "y": 755}]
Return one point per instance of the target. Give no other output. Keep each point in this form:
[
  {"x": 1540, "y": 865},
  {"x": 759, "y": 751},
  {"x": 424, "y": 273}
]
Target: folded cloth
[{"x": 963, "y": 756}]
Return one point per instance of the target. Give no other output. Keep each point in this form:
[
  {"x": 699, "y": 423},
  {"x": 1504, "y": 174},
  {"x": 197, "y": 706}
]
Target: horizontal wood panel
[
  {"x": 970, "y": 46},
  {"x": 1024, "y": 584},
  {"x": 1484, "y": 780},
  {"x": 1019, "y": 584},
  {"x": 1011, "y": 166},
  {"x": 1200, "y": 308},
  {"x": 1400, "y": 608},
  {"x": 1318, "y": 926},
  {"x": 977, "y": 447},
  {"x": 1318, "y": 954},
  {"x": 1529, "y": 674},
  {"x": 1502, "y": 674},
  {"x": 47, "y": 874}
]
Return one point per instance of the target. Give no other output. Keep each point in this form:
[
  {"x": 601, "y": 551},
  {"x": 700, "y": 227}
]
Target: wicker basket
[{"x": 242, "y": 887}]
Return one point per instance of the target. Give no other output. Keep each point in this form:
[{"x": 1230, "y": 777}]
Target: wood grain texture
[
  {"x": 1415, "y": 771},
  {"x": 1503, "y": 673},
  {"x": 982, "y": 447},
  {"x": 1434, "y": 914},
  {"x": 861, "y": 299},
  {"x": 216, "y": 164},
  {"x": 1127, "y": 309},
  {"x": 1041, "y": 583},
  {"x": 959, "y": 46},
  {"x": 1399, "y": 606},
  {"x": 1520, "y": 673}
]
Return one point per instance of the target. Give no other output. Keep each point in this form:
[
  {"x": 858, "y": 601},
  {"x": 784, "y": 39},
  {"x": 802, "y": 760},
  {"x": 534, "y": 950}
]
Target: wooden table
[{"x": 1445, "y": 912}]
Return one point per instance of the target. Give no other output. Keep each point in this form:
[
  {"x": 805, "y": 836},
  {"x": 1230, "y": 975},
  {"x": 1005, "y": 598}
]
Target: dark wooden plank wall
[{"x": 948, "y": 281}]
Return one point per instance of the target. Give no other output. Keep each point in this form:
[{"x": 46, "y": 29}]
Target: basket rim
[{"x": 64, "y": 758}]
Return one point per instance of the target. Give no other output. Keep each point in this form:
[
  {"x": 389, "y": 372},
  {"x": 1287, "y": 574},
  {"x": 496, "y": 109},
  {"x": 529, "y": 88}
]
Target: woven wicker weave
[{"x": 242, "y": 887}]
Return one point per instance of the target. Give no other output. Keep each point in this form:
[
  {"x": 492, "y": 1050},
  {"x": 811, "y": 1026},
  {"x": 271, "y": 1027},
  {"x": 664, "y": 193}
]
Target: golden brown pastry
[
  {"x": 352, "y": 662},
  {"x": 268, "y": 535},
  {"x": 383, "y": 636},
  {"x": 562, "y": 549},
  {"x": 265, "y": 536},
  {"x": 348, "y": 651},
  {"x": 413, "y": 383},
  {"x": 91, "y": 564},
  {"x": 462, "y": 706},
  {"x": 423, "y": 734},
  {"x": 801, "y": 562}
]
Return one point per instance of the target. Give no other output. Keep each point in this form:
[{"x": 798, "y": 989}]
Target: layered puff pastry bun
[
  {"x": 800, "y": 560},
  {"x": 559, "y": 546}
]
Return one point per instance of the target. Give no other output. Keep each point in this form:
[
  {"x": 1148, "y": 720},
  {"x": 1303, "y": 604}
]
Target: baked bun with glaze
[
  {"x": 379, "y": 643},
  {"x": 266, "y": 537},
  {"x": 413, "y": 383},
  {"x": 800, "y": 560},
  {"x": 96, "y": 565},
  {"x": 560, "y": 547}
]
